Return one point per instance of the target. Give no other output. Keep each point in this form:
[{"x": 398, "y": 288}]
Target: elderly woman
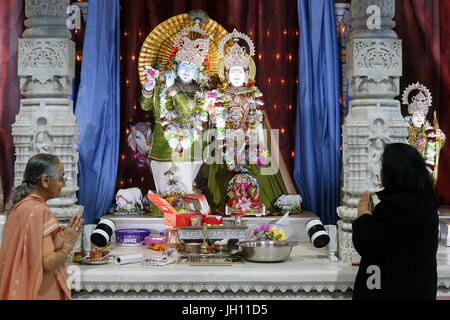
[
  {"x": 398, "y": 239},
  {"x": 34, "y": 246}
]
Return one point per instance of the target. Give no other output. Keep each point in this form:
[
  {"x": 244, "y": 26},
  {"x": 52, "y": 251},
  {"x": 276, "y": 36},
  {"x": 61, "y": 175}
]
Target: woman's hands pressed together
[
  {"x": 365, "y": 204},
  {"x": 72, "y": 231}
]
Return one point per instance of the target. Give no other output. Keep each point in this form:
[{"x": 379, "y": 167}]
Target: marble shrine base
[{"x": 307, "y": 274}]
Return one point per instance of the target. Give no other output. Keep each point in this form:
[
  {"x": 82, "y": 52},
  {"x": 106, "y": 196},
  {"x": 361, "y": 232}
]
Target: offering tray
[
  {"x": 214, "y": 232},
  {"x": 103, "y": 260}
]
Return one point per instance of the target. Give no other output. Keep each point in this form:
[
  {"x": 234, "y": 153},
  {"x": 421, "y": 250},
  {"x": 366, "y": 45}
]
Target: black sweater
[{"x": 401, "y": 239}]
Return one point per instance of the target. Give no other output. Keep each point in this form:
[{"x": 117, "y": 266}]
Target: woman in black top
[{"x": 398, "y": 239}]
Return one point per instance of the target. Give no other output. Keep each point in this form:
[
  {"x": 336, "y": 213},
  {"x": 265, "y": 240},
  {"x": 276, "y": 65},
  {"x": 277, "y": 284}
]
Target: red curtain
[
  {"x": 12, "y": 16},
  {"x": 273, "y": 27},
  {"x": 423, "y": 27}
]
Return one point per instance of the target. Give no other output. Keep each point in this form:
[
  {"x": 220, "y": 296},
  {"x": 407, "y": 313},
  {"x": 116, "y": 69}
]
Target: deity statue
[
  {"x": 428, "y": 140},
  {"x": 176, "y": 97},
  {"x": 236, "y": 111}
]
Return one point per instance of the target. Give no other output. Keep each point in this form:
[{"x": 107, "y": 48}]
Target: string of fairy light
[
  {"x": 79, "y": 34},
  {"x": 289, "y": 57}
]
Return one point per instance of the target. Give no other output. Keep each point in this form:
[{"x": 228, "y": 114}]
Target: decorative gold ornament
[
  {"x": 438, "y": 150},
  {"x": 231, "y": 54},
  {"x": 420, "y": 102},
  {"x": 160, "y": 46}
]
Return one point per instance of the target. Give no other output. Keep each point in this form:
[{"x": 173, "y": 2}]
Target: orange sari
[{"x": 21, "y": 253}]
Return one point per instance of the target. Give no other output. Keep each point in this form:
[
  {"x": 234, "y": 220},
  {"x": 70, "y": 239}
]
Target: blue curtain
[
  {"x": 317, "y": 147},
  {"x": 98, "y": 109}
]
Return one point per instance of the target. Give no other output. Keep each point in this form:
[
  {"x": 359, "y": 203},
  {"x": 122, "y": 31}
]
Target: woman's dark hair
[
  {"x": 38, "y": 166},
  {"x": 404, "y": 170}
]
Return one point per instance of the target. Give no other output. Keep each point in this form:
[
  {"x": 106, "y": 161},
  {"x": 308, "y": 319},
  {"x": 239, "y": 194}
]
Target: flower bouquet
[
  {"x": 269, "y": 242},
  {"x": 266, "y": 232}
]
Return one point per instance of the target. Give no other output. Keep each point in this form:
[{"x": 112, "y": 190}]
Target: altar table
[{"x": 307, "y": 274}]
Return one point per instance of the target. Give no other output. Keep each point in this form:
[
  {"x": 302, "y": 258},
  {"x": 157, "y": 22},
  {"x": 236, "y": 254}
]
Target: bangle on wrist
[
  {"x": 172, "y": 91},
  {"x": 65, "y": 252}
]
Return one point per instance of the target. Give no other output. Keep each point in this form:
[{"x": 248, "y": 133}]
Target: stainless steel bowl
[
  {"x": 192, "y": 247},
  {"x": 267, "y": 251}
]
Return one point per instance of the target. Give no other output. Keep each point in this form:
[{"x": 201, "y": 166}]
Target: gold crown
[
  {"x": 420, "y": 102},
  {"x": 236, "y": 56},
  {"x": 192, "y": 51}
]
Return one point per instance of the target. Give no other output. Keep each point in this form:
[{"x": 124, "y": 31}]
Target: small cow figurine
[
  {"x": 289, "y": 202},
  {"x": 127, "y": 199}
]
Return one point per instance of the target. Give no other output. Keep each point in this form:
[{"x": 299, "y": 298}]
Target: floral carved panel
[
  {"x": 378, "y": 59},
  {"x": 46, "y": 8},
  {"x": 46, "y": 66}
]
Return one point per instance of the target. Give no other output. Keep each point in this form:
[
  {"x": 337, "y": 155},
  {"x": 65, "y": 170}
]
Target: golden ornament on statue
[
  {"x": 438, "y": 149},
  {"x": 159, "y": 46}
]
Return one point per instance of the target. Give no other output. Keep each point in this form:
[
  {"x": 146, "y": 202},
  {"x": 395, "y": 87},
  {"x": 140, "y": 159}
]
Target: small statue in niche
[
  {"x": 428, "y": 140},
  {"x": 42, "y": 142},
  {"x": 375, "y": 161}
]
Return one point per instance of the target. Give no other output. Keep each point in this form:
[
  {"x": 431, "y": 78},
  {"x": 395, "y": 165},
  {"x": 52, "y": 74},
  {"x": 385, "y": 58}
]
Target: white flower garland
[
  {"x": 181, "y": 136},
  {"x": 254, "y": 119}
]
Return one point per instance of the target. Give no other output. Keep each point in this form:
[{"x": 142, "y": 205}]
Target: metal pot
[
  {"x": 267, "y": 251},
  {"x": 173, "y": 240},
  {"x": 192, "y": 247}
]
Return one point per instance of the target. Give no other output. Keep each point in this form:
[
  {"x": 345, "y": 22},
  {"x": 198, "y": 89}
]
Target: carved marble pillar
[
  {"x": 45, "y": 122},
  {"x": 374, "y": 68}
]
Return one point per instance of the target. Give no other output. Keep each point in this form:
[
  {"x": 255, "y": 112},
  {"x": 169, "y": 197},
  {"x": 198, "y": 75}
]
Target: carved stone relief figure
[
  {"x": 378, "y": 140},
  {"x": 42, "y": 142}
]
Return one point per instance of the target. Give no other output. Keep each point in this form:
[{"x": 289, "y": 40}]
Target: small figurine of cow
[
  {"x": 127, "y": 199},
  {"x": 290, "y": 202}
]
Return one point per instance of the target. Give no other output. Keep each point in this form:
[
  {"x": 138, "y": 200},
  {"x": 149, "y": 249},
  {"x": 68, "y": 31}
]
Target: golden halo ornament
[
  {"x": 160, "y": 45},
  {"x": 231, "y": 54}
]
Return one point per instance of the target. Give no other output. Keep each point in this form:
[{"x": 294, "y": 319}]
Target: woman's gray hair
[{"x": 38, "y": 166}]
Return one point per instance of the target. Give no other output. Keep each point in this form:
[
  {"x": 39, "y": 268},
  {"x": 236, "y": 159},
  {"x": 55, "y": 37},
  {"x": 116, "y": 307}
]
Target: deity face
[
  {"x": 418, "y": 119},
  {"x": 187, "y": 71},
  {"x": 237, "y": 76}
]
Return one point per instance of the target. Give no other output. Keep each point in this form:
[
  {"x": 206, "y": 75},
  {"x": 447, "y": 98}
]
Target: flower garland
[
  {"x": 254, "y": 119},
  {"x": 181, "y": 136},
  {"x": 423, "y": 139}
]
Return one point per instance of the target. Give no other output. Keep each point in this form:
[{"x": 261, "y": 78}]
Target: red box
[
  {"x": 212, "y": 220},
  {"x": 198, "y": 203},
  {"x": 171, "y": 216},
  {"x": 180, "y": 219}
]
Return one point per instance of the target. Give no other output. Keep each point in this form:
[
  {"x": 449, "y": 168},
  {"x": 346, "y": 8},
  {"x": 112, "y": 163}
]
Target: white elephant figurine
[
  {"x": 127, "y": 199},
  {"x": 139, "y": 140},
  {"x": 291, "y": 202}
]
